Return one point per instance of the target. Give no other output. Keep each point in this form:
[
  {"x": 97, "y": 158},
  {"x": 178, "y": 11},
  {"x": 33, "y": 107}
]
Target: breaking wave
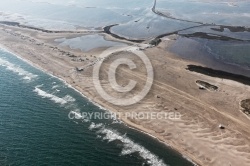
[
  {"x": 129, "y": 146},
  {"x": 95, "y": 126},
  {"x": 54, "y": 98},
  {"x": 18, "y": 70},
  {"x": 55, "y": 86}
]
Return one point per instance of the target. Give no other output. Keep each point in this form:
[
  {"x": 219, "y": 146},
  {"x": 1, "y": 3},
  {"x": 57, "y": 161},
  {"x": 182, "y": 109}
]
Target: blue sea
[{"x": 35, "y": 128}]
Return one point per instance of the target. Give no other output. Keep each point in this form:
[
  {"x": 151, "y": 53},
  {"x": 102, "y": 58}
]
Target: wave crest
[
  {"x": 18, "y": 70},
  {"x": 129, "y": 146},
  {"x": 54, "y": 98}
]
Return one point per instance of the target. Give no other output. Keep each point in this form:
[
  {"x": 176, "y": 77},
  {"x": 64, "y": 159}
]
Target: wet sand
[{"x": 196, "y": 135}]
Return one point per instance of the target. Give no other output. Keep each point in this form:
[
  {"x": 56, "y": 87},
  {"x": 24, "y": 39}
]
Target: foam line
[
  {"x": 54, "y": 98},
  {"x": 16, "y": 69},
  {"x": 129, "y": 146}
]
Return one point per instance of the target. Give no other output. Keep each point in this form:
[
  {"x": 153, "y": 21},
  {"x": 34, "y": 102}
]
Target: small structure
[
  {"x": 158, "y": 97},
  {"x": 79, "y": 69},
  {"x": 221, "y": 126}
]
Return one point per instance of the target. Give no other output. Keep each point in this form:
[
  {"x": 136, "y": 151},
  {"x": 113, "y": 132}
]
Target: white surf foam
[
  {"x": 129, "y": 145},
  {"x": 95, "y": 126},
  {"x": 69, "y": 98},
  {"x": 50, "y": 96},
  {"x": 77, "y": 114},
  {"x": 18, "y": 70},
  {"x": 55, "y": 86},
  {"x": 54, "y": 98}
]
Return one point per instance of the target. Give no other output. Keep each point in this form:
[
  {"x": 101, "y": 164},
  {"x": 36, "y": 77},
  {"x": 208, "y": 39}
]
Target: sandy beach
[{"x": 204, "y": 102}]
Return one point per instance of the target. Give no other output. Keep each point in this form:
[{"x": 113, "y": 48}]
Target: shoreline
[
  {"x": 126, "y": 123},
  {"x": 181, "y": 136},
  {"x": 98, "y": 105}
]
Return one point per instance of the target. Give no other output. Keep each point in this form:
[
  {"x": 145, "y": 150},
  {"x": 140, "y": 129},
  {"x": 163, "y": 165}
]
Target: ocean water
[{"x": 35, "y": 128}]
